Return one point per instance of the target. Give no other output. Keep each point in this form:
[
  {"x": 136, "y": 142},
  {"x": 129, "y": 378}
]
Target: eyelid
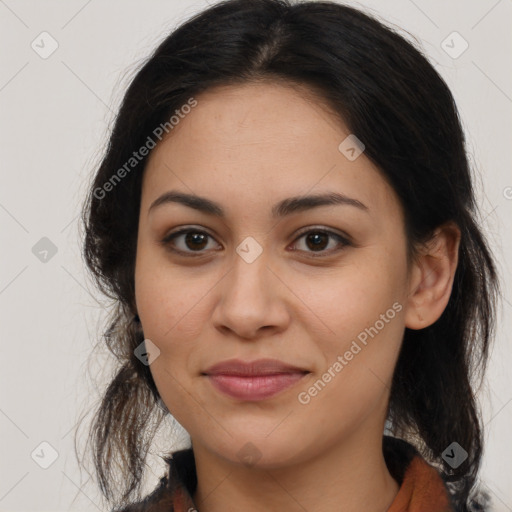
[
  {"x": 166, "y": 240},
  {"x": 342, "y": 238},
  {"x": 324, "y": 229}
]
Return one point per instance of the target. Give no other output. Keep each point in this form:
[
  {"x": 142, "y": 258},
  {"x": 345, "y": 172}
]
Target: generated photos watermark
[
  {"x": 143, "y": 151},
  {"x": 304, "y": 397}
]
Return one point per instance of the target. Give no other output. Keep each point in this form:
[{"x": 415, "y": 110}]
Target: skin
[{"x": 247, "y": 147}]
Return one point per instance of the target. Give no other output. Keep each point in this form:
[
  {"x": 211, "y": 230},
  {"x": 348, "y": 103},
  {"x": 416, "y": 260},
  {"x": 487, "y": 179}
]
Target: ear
[{"x": 431, "y": 278}]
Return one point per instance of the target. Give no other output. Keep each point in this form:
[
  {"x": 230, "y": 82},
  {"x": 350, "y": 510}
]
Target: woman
[{"x": 286, "y": 220}]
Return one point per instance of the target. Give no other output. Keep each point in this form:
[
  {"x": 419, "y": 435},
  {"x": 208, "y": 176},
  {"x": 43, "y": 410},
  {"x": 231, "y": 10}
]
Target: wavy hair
[{"x": 384, "y": 89}]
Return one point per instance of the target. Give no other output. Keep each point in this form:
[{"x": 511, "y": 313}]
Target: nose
[{"x": 251, "y": 301}]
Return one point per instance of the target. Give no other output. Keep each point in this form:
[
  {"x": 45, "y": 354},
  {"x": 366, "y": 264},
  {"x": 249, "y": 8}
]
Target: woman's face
[{"x": 269, "y": 278}]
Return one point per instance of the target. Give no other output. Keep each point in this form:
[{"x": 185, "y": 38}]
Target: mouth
[{"x": 253, "y": 380}]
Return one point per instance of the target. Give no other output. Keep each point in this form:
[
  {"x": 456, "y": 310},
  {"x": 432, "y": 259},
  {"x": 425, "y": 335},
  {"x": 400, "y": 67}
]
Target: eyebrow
[{"x": 283, "y": 208}]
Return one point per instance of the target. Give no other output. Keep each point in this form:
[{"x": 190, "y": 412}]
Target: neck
[{"x": 352, "y": 476}]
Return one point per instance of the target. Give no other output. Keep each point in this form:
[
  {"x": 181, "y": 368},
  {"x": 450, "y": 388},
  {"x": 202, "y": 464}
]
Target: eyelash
[{"x": 166, "y": 241}]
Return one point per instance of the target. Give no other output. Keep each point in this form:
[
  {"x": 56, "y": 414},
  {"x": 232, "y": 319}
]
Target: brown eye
[
  {"x": 318, "y": 240},
  {"x": 194, "y": 242},
  {"x": 187, "y": 241}
]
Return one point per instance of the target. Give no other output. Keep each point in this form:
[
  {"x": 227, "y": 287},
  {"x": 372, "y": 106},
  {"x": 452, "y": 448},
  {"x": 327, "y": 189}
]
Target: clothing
[{"x": 421, "y": 487}]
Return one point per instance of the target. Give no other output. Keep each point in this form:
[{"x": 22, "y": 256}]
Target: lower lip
[{"x": 254, "y": 388}]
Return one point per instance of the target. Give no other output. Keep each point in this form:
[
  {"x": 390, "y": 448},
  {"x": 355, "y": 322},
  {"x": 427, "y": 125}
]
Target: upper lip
[{"x": 252, "y": 368}]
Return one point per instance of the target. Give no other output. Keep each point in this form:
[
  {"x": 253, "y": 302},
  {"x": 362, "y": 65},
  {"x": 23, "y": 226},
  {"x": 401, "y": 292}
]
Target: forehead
[{"x": 260, "y": 141}]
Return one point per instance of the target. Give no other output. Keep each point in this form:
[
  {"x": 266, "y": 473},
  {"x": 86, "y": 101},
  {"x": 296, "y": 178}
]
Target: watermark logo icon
[
  {"x": 44, "y": 455},
  {"x": 249, "y": 454},
  {"x": 454, "y": 45},
  {"x": 249, "y": 249},
  {"x": 454, "y": 455},
  {"x": 44, "y": 250},
  {"x": 146, "y": 352},
  {"x": 44, "y": 45},
  {"x": 351, "y": 147}
]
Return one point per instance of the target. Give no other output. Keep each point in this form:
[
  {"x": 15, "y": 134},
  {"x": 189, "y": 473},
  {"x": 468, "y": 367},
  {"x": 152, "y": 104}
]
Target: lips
[
  {"x": 252, "y": 368},
  {"x": 253, "y": 380}
]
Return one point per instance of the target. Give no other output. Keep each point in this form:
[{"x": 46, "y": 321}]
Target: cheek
[
  {"x": 366, "y": 325},
  {"x": 172, "y": 317},
  {"x": 180, "y": 396},
  {"x": 359, "y": 316},
  {"x": 353, "y": 298},
  {"x": 173, "y": 306},
  {"x": 170, "y": 313},
  {"x": 171, "y": 301}
]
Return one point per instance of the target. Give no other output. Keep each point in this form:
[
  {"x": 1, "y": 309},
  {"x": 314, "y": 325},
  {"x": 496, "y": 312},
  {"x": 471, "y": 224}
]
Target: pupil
[
  {"x": 195, "y": 238},
  {"x": 316, "y": 237}
]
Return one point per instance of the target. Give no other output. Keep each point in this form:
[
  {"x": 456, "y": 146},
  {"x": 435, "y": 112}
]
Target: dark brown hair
[{"x": 387, "y": 93}]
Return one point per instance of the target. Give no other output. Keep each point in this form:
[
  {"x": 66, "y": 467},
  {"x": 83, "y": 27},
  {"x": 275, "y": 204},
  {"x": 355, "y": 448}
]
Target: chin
[{"x": 259, "y": 451}]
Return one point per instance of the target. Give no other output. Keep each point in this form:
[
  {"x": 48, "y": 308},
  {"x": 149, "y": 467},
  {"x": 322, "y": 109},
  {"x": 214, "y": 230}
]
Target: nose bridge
[
  {"x": 248, "y": 293},
  {"x": 249, "y": 278}
]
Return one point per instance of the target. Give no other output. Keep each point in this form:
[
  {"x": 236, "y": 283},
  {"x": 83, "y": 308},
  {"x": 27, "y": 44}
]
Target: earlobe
[{"x": 432, "y": 277}]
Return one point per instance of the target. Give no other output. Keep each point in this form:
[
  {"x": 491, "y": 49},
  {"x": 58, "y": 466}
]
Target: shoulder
[{"x": 405, "y": 463}]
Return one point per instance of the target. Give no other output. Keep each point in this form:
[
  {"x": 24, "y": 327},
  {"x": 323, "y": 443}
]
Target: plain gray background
[{"x": 56, "y": 112}]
